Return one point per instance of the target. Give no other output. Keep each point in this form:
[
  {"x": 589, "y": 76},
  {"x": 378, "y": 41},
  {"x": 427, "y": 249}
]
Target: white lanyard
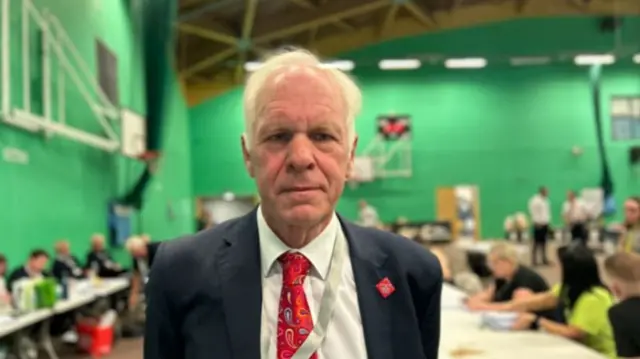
[{"x": 327, "y": 305}]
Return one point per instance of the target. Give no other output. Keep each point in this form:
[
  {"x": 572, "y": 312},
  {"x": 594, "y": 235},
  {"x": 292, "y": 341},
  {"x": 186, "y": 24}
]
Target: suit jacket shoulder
[{"x": 189, "y": 260}]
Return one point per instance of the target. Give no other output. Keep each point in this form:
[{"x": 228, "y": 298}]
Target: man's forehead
[{"x": 299, "y": 76}]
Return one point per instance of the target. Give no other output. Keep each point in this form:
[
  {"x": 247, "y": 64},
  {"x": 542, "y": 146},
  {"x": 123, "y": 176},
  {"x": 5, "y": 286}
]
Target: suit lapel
[
  {"x": 241, "y": 287},
  {"x": 369, "y": 264}
]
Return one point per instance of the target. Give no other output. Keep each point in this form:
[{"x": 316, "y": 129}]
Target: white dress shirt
[
  {"x": 345, "y": 336},
  {"x": 575, "y": 211},
  {"x": 540, "y": 210}
]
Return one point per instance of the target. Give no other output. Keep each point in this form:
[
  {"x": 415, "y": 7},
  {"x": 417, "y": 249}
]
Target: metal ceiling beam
[
  {"x": 312, "y": 37},
  {"x": 245, "y": 37},
  {"x": 465, "y": 16},
  {"x": 425, "y": 19},
  {"x": 335, "y": 11},
  {"x": 307, "y": 4},
  {"x": 208, "y": 62},
  {"x": 208, "y": 34},
  {"x": 204, "y": 9},
  {"x": 389, "y": 19}
]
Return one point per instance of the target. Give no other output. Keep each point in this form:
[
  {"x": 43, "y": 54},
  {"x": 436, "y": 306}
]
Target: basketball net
[
  {"x": 150, "y": 158},
  {"x": 353, "y": 182}
]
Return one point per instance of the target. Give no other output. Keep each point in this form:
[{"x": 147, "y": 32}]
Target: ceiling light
[
  {"x": 252, "y": 66},
  {"x": 529, "y": 61},
  {"x": 583, "y": 60},
  {"x": 342, "y": 65},
  {"x": 400, "y": 64},
  {"x": 467, "y": 63},
  {"x": 636, "y": 58}
]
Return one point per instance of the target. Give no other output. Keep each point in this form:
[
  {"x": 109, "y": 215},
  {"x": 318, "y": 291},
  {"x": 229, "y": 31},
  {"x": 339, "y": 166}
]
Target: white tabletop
[
  {"x": 17, "y": 323},
  {"x": 103, "y": 288},
  {"x": 452, "y": 297},
  {"x": 461, "y": 329}
]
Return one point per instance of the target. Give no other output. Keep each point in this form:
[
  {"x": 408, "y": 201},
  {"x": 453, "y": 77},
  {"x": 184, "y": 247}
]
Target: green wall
[
  {"x": 64, "y": 189},
  {"x": 507, "y": 130}
]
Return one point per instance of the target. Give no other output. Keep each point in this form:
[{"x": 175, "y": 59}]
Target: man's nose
[{"x": 300, "y": 154}]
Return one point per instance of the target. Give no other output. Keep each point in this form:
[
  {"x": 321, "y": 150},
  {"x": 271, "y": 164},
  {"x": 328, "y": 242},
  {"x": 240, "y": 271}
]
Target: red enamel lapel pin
[{"x": 385, "y": 287}]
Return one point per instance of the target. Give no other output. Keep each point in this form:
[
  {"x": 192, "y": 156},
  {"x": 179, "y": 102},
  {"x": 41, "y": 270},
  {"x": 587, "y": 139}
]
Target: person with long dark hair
[
  {"x": 630, "y": 238},
  {"x": 581, "y": 299}
]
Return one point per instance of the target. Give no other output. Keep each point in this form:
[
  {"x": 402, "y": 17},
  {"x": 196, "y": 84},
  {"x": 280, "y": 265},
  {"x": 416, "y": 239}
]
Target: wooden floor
[{"x": 132, "y": 348}]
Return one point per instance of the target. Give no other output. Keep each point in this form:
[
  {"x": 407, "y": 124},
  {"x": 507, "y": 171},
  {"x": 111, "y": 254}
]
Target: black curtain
[
  {"x": 155, "y": 20},
  {"x": 606, "y": 181}
]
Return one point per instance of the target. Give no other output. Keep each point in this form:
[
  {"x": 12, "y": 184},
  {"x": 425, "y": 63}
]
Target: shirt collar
[{"x": 319, "y": 251}]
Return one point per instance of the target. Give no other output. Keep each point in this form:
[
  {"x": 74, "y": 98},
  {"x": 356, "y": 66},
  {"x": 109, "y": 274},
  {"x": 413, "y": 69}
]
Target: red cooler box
[{"x": 93, "y": 339}]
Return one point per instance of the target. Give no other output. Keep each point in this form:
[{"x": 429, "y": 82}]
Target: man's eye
[
  {"x": 280, "y": 137},
  {"x": 321, "y": 137}
]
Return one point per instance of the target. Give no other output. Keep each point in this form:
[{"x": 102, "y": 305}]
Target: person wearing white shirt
[
  {"x": 5, "y": 297},
  {"x": 368, "y": 215},
  {"x": 540, "y": 211},
  {"x": 293, "y": 279},
  {"x": 576, "y": 214}
]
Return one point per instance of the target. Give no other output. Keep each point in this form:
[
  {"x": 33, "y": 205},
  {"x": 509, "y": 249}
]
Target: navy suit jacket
[{"x": 204, "y": 295}]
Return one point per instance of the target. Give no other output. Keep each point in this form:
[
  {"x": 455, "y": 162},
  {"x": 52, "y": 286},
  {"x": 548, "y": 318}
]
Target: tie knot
[{"x": 295, "y": 267}]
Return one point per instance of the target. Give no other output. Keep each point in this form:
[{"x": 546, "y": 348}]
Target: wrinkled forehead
[{"x": 303, "y": 84}]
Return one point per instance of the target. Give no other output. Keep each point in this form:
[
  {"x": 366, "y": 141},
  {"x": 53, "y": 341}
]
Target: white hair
[
  {"x": 134, "y": 243},
  {"x": 505, "y": 251},
  {"x": 256, "y": 82}
]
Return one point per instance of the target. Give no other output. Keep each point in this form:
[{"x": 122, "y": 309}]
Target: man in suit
[
  {"x": 100, "y": 261},
  {"x": 293, "y": 279},
  {"x": 66, "y": 265}
]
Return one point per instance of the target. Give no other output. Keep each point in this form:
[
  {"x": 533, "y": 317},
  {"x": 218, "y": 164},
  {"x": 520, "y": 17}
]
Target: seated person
[
  {"x": 142, "y": 253},
  {"x": 582, "y": 298},
  {"x": 455, "y": 266},
  {"x": 512, "y": 280},
  {"x": 5, "y": 297},
  {"x": 34, "y": 268},
  {"x": 100, "y": 261},
  {"x": 65, "y": 265},
  {"x": 623, "y": 270}
]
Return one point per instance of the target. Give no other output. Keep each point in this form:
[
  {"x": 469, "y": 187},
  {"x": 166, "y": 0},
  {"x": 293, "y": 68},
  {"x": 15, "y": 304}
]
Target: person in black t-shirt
[
  {"x": 623, "y": 270},
  {"x": 512, "y": 280}
]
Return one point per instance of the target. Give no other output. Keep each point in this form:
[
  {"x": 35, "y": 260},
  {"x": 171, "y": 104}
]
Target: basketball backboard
[{"x": 134, "y": 134}]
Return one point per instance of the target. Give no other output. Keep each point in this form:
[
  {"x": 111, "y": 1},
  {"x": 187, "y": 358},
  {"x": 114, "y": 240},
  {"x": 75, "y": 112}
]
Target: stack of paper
[{"x": 499, "y": 320}]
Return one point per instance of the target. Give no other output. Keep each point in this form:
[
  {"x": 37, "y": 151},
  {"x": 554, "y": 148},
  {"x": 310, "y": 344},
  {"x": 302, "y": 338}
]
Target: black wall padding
[
  {"x": 634, "y": 155},
  {"x": 606, "y": 182},
  {"x": 156, "y": 18}
]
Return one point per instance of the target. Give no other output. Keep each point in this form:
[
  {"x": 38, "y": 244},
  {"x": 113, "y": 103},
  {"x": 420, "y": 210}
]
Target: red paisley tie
[{"x": 294, "y": 318}]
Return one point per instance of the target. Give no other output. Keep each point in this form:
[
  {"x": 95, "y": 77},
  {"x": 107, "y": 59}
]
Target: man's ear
[
  {"x": 246, "y": 155},
  {"x": 352, "y": 156}
]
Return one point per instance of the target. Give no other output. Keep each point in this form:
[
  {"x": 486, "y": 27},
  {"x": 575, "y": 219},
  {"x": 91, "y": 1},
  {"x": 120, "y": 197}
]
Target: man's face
[
  {"x": 39, "y": 263},
  {"x": 300, "y": 153},
  {"x": 97, "y": 243},
  {"x": 139, "y": 252},
  {"x": 571, "y": 196},
  {"x": 500, "y": 268},
  {"x": 64, "y": 249}
]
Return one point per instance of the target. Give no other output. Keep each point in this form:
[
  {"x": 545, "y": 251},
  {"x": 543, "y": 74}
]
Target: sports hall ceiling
[{"x": 216, "y": 37}]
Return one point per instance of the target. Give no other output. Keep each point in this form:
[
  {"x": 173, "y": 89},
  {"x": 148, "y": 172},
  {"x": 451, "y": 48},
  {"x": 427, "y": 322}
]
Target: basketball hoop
[
  {"x": 353, "y": 182},
  {"x": 149, "y": 156}
]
